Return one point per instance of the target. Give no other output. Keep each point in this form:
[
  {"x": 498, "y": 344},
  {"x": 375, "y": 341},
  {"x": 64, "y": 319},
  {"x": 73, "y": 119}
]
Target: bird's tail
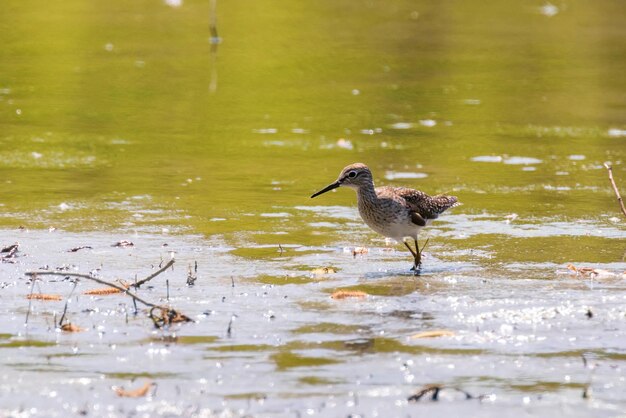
[{"x": 445, "y": 202}]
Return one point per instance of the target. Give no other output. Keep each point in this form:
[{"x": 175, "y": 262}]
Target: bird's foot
[{"x": 417, "y": 269}]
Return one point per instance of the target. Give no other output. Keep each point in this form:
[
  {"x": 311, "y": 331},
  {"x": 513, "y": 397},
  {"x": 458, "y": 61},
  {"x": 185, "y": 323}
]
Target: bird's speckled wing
[{"x": 428, "y": 207}]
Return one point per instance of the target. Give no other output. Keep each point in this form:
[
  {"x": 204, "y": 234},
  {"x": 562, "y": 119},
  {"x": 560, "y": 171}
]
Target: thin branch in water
[
  {"x": 66, "y": 303},
  {"x": 192, "y": 275},
  {"x": 619, "y": 198},
  {"x": 167, "y": 287},
  {"x": 232, "y": 281},
  {"x": 30, "y": 299},
  {"x": 153, "y": 275},
  {"x": 229, "y": 330}
]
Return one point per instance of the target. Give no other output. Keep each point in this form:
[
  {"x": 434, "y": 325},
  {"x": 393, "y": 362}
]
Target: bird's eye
[{"x": 352, "y": 174}]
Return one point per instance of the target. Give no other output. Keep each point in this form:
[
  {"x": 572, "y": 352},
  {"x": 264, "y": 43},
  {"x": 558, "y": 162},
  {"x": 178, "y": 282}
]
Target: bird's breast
[{"x": 388, "y": 218}]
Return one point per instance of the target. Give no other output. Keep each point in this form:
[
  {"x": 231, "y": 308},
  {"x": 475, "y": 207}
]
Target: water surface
[{"x": 124, "y": 121}]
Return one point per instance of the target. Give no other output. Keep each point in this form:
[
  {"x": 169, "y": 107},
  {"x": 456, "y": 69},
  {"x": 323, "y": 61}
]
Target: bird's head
[{"x": 353, "y": 176}]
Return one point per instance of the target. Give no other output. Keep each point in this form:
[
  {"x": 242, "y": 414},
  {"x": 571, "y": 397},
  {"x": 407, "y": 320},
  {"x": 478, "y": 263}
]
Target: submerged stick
[
  {"x": 66, "y": 303},
  {"x": 619, "y": 198},
  {"x": 229, "y": 330},
  {"x": 30, "y": 299}
]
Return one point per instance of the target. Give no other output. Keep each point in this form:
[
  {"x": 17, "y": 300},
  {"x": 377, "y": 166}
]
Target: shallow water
[
  {"x": 123, "y": 121},
  {"x": 521, "y": 331}
]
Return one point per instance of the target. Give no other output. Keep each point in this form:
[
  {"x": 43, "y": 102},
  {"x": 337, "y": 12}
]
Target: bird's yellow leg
[{"x": 410, "y": 249}]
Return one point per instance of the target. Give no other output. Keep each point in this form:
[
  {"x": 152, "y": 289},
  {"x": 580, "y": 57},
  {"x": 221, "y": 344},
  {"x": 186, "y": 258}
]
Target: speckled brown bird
[{"x": 395, "y": 212}]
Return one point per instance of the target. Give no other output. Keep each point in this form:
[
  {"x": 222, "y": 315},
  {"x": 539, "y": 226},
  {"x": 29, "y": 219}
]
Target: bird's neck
[{"x": 366, "y": 193}]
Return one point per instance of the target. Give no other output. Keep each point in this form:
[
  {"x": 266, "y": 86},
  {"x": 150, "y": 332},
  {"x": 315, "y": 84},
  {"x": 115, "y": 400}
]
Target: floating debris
[
  {"x": 9, "y": 252},
  {"x": 592, "y": 273},
  {"x": 402, "y": 125},
  {"x": 435, "y": 389},
  {"x": 577, "y": 157},
  {"x": 69, "y": 327},
  {"x": 487, "y": 159},
  {"x": 616, "y": 133},
  {"x": 344, "y": 143},
  {"x": 134, "y": 393},
  {"x": 123, "y": 244},
  {"x": 265, "y": 131},
  {"x": 393, "y": 175},
  {"x": 435, "y": 333},
  {"x": 345, "y": 294},
  {"x": 43, "y": 296},
  {"x": 323, "y": 271},
  {"x": 162, "y": 317},
  {"x": 83, "y": 247},
  {"x": 522, "y": 161},
  {"x": 103, "y": 291}
]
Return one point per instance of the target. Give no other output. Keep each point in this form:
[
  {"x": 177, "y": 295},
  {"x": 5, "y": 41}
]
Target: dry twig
[
  {"x": 153, "y": 275},
  {"x": 168, "y": 315}
]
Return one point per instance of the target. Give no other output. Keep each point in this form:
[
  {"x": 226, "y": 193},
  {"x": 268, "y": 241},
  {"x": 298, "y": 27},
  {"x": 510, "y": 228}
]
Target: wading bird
[{"x": 395, "y": 212}]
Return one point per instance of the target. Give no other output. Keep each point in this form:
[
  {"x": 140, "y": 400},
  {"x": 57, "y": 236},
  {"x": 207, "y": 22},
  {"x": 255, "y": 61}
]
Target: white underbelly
[{"x": 396, "y": 230}]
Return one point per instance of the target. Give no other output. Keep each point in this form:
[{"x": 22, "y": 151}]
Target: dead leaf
[
  {"x": 135, "y": 393},
  {"x": 345, "y": 294},
  {"x": 433, "y": 334},
  {"x": 43, "y": 296},
  {"x": 69, "y": 327},
  {"x": 107, "y": 290},
  {"x": 323, "y": 271},
  {"x": 102, "y": 291}
]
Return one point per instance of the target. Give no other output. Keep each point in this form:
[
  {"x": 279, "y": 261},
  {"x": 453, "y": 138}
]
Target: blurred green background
[{"x": 117, "y": 114}]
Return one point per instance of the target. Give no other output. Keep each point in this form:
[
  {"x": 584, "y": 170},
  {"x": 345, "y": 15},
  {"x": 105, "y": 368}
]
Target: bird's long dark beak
[{"x": 327, "y": 188}]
